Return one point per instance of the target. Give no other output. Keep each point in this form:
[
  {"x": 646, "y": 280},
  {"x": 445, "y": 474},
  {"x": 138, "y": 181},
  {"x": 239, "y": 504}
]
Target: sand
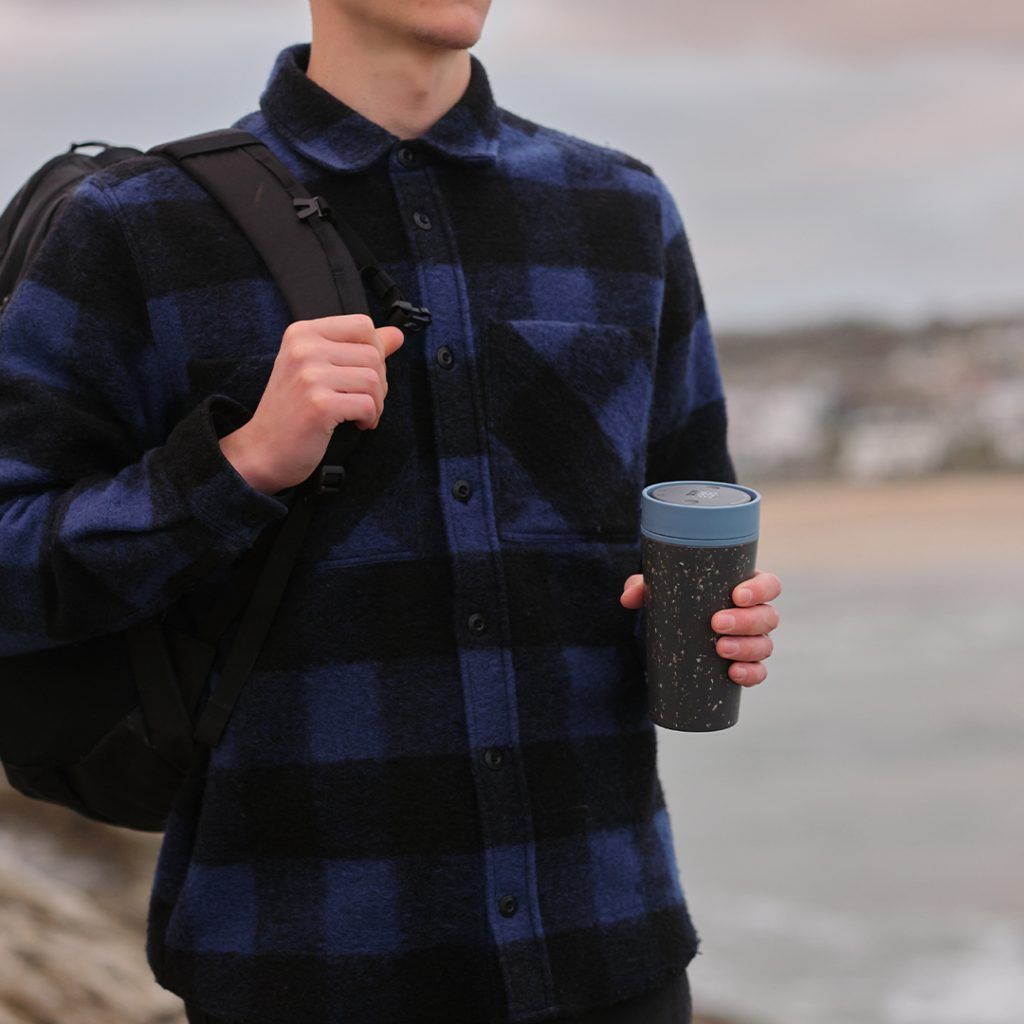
[{"x": 909, "y": 523}]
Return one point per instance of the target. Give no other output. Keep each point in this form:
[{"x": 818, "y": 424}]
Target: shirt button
[
  {"x": 445, "y": 357},
  {"x": 476, "y": 623},
  {"x": 493, "y": 758},
  {"x": 507, "y": 905},
  {"x": 408, "y": 156},
  {"x": 462, "y": 490},
  {"x": 421, "y": 220}
]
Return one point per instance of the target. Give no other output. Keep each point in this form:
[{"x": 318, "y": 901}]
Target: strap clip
[
  {"x": 330, "y": 479},
  {"x": 306, "y": 207},
  {"x": 409, "y": 317}
]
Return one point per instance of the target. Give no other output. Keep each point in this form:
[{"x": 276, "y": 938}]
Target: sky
[{"x": 829, "y": 161}]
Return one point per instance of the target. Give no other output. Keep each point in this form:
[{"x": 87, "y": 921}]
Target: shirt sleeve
[
  {"x": 114, "y": 497},
  {"x": 688, "y": 425},
  {"x": 687, "y": 431}
]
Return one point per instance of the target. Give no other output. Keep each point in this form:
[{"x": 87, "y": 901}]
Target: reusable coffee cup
[{"x": 698, "y": 541}]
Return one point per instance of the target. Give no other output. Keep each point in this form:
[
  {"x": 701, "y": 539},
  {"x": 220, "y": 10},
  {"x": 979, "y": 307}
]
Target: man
[{"x": 437, "y": 798}]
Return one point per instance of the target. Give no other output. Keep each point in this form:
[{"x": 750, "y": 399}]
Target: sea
[{"x": 851, "y": 849}]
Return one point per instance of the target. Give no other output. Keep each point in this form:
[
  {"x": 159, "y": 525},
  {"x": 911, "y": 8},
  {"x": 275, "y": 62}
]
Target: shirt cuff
[{"x": 215, "y": 492}]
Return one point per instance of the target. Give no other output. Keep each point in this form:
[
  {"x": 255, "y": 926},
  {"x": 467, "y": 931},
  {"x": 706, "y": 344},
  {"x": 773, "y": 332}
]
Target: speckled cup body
[{"x": 688, "y": 580}]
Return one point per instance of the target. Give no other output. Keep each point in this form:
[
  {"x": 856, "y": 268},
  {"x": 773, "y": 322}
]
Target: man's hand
[
  {"x": 746, "y": 626},
  {"x": 327, "y": 371}
]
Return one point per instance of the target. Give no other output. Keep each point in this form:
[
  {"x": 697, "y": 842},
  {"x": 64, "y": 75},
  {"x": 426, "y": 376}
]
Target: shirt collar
[{"x": 333, "y": 134}]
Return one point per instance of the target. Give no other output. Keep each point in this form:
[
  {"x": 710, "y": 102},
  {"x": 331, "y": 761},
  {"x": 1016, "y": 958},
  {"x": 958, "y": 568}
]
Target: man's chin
[{"x": 454, "y": 37}]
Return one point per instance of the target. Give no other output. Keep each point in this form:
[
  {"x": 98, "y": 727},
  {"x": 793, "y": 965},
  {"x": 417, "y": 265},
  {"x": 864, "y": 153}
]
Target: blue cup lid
[{"x": 700, "y": 510}]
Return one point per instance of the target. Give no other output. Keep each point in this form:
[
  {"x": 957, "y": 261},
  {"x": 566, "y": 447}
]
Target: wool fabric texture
[{"x": 437, "y": 798}]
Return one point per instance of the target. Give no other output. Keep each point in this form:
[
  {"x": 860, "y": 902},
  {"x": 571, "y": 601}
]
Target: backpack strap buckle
[
  {"x": 307, "y": 206},
  {"x": 330, "y": 479},
  {"x": 409, "y": 317}
]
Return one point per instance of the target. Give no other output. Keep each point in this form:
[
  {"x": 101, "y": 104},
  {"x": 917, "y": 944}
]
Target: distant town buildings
[{"x": 866, "y": 401}]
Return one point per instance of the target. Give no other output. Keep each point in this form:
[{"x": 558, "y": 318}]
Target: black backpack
[{"x": 109, "y": 727}]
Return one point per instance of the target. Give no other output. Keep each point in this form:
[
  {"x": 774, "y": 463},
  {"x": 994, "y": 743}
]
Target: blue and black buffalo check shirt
[{"x": 437, "y": 797}]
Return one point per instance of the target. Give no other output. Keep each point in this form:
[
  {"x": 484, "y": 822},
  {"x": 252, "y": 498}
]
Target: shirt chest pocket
[
  {"x": 376, "y": 516},
  {"x": 566, "y": 407}
]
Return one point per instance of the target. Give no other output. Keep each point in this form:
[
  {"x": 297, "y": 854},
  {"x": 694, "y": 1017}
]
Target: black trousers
[{"x": 669, "y": 1004}]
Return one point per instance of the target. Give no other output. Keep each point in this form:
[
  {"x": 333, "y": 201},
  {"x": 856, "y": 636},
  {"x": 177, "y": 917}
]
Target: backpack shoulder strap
[
  {"x": 295, "y": 234},
  {"x": 317, "y": 259},
  {"x": 311, "y": 265}
]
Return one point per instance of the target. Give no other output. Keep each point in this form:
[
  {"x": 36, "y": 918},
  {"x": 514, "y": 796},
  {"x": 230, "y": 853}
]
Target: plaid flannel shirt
[{"x": 437, "y": 797}]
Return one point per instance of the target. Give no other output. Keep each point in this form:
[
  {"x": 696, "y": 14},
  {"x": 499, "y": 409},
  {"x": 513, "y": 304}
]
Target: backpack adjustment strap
[
  {"x": 401, "y": 312},
  {"x": 307, "y": 206},
  {"x": 256, "y": 620}
]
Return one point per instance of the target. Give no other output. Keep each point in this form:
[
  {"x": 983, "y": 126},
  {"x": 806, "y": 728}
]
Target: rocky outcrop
[
  {"x": 72, "y": 921},
  {"x": 64, "y": 959}
]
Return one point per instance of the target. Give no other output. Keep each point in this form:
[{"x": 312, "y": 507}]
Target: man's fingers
[
  {"x": 357, "y": 327},
  {"x": 760, "y": 619},
  {"x": 747, "y": 648},
  {"x": 346, "y": 327},
  {"x": 748, "y": 673},
  {"x": 761, "y": 587},
  {"x": 745, "y": 621},
  {"x": 392, "y": 338},
  {"x": 632, "y": 591}
]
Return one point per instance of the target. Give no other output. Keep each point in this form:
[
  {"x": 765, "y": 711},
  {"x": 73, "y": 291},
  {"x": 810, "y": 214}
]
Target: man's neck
[{"x": 402, "y": 85}]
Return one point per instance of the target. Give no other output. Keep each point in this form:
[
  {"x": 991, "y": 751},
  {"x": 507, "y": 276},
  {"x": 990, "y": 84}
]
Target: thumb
[{"x": 392, "y": 337}]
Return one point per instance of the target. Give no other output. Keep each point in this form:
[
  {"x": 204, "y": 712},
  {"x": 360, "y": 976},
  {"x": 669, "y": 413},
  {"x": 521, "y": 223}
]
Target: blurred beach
[{"x": 850, "y": 850}]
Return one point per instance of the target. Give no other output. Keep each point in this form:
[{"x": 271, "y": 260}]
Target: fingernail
[
  {"x": 726, "y": 622},
  {"x": 744, "y": 595},
  {"x": 728, "y": 647},
  {"x": 739, "y": 673}
]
